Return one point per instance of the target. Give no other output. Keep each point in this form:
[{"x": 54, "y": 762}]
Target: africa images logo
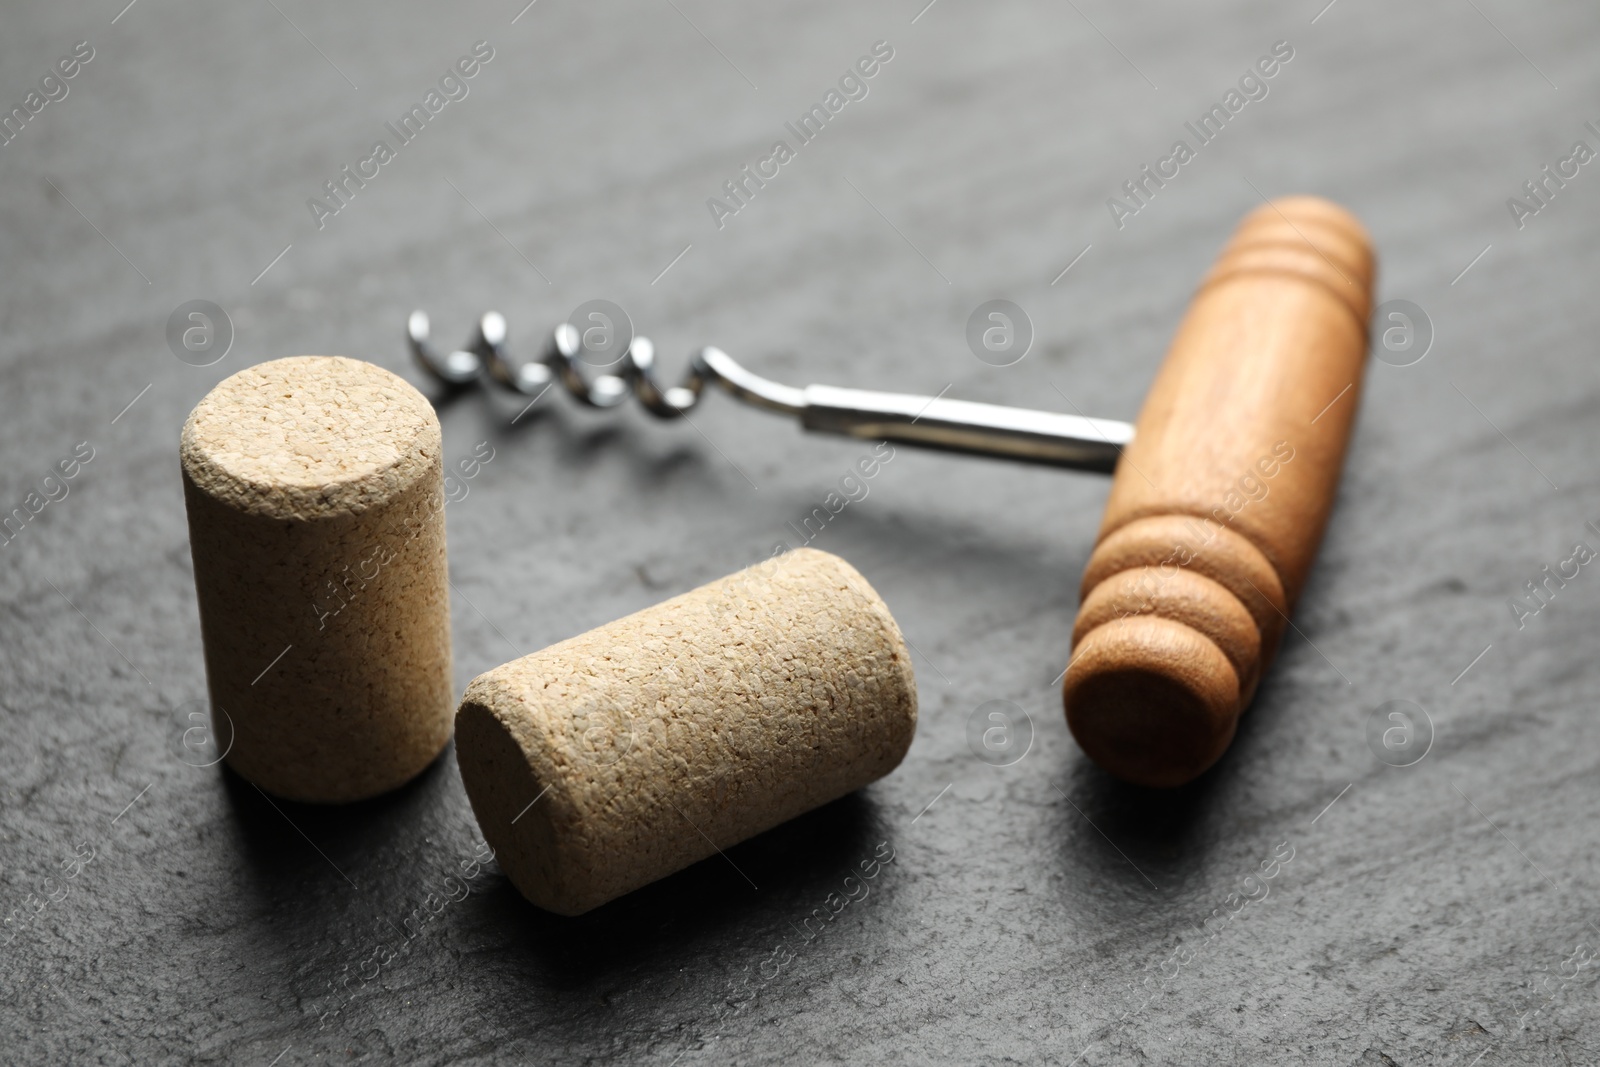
[
  {"x": 1141, "y": 189},
  {"x": 742, "y": 188},
  {"x": 342, "y": 188}
]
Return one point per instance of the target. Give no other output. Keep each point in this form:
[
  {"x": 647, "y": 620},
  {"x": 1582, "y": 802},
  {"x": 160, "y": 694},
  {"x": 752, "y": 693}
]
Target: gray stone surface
[{"x": 1432, "y": 914}]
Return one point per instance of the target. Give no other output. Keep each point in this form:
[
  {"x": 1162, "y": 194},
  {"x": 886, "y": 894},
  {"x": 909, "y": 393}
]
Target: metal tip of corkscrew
[
  {"x": 933, "y": 422},
  {"x": 561, "y": 360}
]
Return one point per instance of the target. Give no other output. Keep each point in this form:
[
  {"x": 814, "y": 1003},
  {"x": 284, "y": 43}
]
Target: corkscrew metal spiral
[{"x": 1043, "y": 437}]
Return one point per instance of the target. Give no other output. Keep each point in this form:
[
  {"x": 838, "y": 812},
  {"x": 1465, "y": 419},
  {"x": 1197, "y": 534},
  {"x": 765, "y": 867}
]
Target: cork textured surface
[
  {"x": 620, "y": 756},
  {"x": 1305, "y": 901},
  {"x": 310, "y": 437},
  {"x": 315, "y": 494}
]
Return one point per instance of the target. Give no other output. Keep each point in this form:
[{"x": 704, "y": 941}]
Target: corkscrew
[
  {"x": 1043, "y": 437},
  {"x": 1196, "y": 568}
]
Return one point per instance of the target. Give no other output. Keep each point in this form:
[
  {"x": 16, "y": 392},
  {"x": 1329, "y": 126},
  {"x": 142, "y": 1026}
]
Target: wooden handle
[{"x": 1218, "y": 505}]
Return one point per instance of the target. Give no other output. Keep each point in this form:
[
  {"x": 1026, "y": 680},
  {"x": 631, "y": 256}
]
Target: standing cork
[
  {"x": 620, "y": 756},
  {"x": 315, "y": 492}
]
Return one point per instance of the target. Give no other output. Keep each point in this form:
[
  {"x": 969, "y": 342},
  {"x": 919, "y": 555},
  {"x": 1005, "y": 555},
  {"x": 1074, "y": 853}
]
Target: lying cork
[
  {"x": 315, "y": 492},
  {"x": 622, "y": 755}
]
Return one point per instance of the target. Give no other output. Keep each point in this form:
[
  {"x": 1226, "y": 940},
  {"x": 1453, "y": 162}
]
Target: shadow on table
[
  {"x": 1141, "y": 839},
  {"x": 724, "y": 913},
  {"x": 288, "y": 843},
  {"x": 735, "y": 904}
]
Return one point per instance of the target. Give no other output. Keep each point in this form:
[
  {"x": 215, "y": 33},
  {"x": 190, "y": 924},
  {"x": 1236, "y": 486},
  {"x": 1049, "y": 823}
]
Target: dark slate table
[{"x": 1444, "y": 912}]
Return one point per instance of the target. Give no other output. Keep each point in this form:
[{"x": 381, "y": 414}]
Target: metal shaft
[{"x": 1043, "y": 437}]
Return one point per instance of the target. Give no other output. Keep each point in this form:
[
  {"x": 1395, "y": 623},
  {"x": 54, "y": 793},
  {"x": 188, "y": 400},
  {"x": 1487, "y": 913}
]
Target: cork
[
  {"x": 619, "y": 756},
  {"x": 315, "y": 493}
]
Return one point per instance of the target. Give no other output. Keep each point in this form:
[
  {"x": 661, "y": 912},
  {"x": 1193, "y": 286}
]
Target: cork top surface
[{"x": 309, "y": 437}]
